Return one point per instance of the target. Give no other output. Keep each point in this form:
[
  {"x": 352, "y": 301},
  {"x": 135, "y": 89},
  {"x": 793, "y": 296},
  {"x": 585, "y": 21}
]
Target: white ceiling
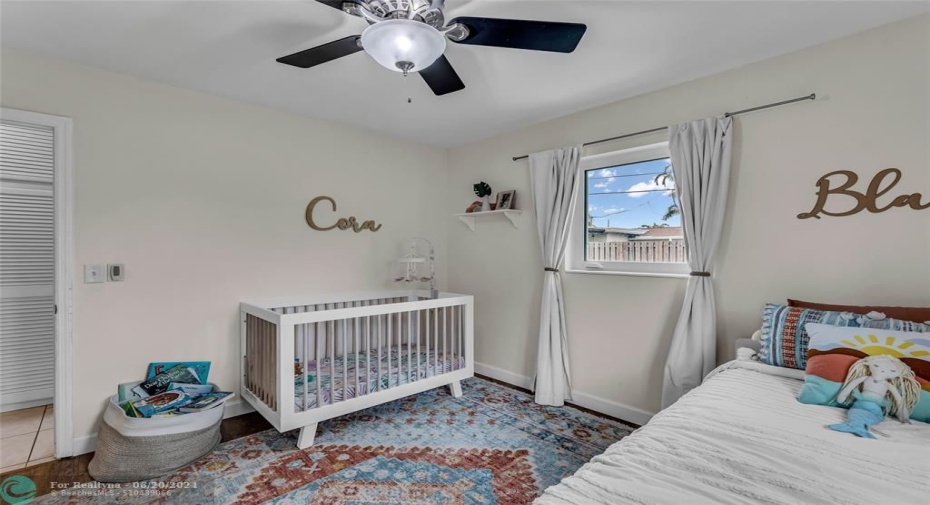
[{"x": 228, "y": 48}]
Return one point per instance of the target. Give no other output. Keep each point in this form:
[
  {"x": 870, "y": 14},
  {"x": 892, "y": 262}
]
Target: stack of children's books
[{"x": 171, "y": 389}]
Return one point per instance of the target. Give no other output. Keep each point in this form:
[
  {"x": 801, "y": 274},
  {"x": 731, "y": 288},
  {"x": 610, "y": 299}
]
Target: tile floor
[{"x": 26, "y": 437}]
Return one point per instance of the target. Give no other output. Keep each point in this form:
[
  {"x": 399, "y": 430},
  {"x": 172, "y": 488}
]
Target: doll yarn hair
[{"x": 906, "y": 382}]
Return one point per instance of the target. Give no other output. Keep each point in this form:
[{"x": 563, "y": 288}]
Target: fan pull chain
[{"x": 407, "y": 88}]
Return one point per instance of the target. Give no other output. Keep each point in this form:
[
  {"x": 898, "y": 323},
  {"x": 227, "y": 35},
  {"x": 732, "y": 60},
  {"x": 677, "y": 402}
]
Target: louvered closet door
[{"x": 27, "y": 263}]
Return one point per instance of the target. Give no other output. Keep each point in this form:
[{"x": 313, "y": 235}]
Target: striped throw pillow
[{"x": 785, "y": 340}]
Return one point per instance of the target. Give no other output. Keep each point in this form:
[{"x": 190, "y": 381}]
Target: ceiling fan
[{"x": 410, "y": 36}]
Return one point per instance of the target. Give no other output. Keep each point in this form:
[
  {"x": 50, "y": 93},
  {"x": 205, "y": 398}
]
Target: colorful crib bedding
[{"x": 397, "y": 368}]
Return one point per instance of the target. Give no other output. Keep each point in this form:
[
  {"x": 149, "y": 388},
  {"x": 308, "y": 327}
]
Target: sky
[{"x": 632, "y": 210}]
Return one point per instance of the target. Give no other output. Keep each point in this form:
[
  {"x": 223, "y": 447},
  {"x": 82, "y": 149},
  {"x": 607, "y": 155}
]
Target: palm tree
[{"x": 662, "y": 180}]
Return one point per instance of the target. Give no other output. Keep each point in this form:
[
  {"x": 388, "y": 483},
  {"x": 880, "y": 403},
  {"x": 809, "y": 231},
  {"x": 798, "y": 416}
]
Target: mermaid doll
[{"x": 877, "y": 386}]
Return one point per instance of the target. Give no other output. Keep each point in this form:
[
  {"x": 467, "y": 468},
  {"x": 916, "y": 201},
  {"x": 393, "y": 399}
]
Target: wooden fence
[{"x": 651, "y": 251}]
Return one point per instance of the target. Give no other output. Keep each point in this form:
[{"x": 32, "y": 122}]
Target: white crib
[{"x": 309, "y": 360}]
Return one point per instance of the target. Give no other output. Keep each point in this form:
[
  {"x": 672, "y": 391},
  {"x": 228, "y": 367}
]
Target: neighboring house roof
[
  {"x": 639, "y": 233},
  {"x": 632, "y": 232},
  {"x": 664, "y": 232}
]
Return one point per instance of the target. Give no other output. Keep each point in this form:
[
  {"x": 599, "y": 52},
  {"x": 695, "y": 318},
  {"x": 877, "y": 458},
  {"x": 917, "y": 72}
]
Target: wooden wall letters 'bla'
[
  {"x": 343, "y": 223},
  {"x": 863, "y": 201}
]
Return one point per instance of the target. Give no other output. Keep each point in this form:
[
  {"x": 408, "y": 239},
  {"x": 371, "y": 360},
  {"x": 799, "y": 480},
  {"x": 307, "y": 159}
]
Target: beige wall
[
  {"x": 872, "y": 113},
  {"x": 203, "y": 199}
]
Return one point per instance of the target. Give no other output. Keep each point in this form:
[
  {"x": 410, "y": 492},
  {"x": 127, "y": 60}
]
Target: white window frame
[{"x": 575, "y": 252}]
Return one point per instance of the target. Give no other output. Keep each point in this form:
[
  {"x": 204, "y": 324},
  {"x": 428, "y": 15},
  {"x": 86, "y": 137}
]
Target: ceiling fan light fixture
[{"x": 403, "y": 45}]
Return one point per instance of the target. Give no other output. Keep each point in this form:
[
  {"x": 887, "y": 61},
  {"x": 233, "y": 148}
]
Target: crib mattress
[{"x": 396, "y": 368}]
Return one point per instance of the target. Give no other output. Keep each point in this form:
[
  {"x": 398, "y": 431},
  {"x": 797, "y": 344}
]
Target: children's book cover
[
  {"x": 195, "y": 390},
  {"x": 201, "y": 368},
  {"x": 129, "y": 391},
  {"x": 162, "y": 402},
  {"x": 159, "y": 383},
  {"x": 207, "y": 401}
]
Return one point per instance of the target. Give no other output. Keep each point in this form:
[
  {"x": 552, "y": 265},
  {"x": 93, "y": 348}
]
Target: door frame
[{"x": 64, "y": 267}]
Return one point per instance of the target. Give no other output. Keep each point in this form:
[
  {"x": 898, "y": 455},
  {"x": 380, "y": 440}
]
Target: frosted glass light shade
[{"x": 401, "y": 40}]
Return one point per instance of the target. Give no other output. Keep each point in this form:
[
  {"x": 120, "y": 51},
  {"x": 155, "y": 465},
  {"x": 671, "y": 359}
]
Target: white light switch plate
[{"x": 95, "y": 273}]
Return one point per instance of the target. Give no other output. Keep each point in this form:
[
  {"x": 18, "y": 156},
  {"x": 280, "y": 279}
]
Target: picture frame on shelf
[{"x": 505, "y": 199}]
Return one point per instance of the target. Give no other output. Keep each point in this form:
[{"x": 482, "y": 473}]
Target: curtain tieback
[
  {"x": 700, "y": 274},
  {"x": 547, "y": 269}
]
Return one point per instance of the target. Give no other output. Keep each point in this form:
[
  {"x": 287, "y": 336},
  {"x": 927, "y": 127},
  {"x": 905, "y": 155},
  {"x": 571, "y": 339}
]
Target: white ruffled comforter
[{"x": 742, "y": 437}]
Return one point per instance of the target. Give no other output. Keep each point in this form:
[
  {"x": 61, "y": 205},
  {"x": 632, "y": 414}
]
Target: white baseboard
[
  {"x": 83, "y": 445},
  {"x": 612, "y": 408},
  {"x": 588, "y": 401},
  {"x": 238, "y": 407},
  {"x": 504, "y": 375}
]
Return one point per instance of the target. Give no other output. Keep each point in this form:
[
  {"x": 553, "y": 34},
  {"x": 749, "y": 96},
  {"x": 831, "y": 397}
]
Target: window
[{"x": 627, "y": 218}]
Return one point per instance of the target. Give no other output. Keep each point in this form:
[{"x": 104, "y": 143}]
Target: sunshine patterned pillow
[
  {"x": 784, "y": 337},
  {"x": 833, "y": 350}
]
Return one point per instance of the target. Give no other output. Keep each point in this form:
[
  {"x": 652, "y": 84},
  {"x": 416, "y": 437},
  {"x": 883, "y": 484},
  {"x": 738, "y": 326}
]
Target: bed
[{"x": 742, "y": 437}]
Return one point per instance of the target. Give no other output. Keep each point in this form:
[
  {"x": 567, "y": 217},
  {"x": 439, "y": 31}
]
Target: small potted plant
[{"x": 483, "y": 191}]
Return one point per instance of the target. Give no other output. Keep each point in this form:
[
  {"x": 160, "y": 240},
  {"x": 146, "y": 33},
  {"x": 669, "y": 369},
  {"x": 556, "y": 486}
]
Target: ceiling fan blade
[
  {"x": 335, "y": 4},
  {"x": 321, "y": 54},
  {"x": 522, "y": 34},
  {"x": 441, "y": 77}
]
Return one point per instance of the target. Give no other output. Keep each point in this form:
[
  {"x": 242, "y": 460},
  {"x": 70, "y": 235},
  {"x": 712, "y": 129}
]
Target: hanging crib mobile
[{"x": 412, "y": 263}]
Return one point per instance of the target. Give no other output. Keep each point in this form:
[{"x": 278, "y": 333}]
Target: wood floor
[{"x": 75, "y": 469}]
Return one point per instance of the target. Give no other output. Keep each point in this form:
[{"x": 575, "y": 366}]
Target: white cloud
[
  {"x": 604, "y": 183},
  {"x": 612, "y": 210},
  {"x": 669, "y": 184},
  {"x": 606, "y": 172}
]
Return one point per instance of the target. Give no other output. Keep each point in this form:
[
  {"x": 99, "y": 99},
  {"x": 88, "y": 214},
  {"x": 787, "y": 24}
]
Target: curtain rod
[{"x": 811, "y": 96}]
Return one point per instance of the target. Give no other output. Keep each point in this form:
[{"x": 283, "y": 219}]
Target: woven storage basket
[{"x": 130, "y": 449}]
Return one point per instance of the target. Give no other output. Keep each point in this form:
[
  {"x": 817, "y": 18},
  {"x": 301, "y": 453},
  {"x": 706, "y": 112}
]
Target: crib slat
[
  {"x": 262, "y": 355},
  {"x": 445, "y": 352},
  {"x": 331, "y": 343},
  {"x": 380, "y": 338},
  {"x": 266, "y": 361},
  {"x": 250, "y": 351},
  {"x": 409, "y": 344},
  {"x": 400, "y": 356},
  {"x": 269, "y": 372},
  {"x": 355, "y": 339},
  {"x": 305, "y": 358},
  {"x": 257, "y": 353},
  {"x": 262, "y": 360},
  {"x": 272, "y": 381},
  {"x": 459, "y": 333},
  {"x": 426, "y": 325},
  {"x": 345, "y": 363},
  {"x": 318, "y": 353}
]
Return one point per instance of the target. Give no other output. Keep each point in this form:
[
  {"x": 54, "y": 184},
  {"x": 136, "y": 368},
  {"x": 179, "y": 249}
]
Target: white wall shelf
[{"x": 471, "y": 218}]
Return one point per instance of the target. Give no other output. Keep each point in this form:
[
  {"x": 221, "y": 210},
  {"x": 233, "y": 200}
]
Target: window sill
[{"x": 629, "y": 274}]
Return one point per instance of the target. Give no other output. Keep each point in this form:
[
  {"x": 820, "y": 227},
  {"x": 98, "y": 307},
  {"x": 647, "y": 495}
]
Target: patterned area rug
[{"x": 492, "y": 445}]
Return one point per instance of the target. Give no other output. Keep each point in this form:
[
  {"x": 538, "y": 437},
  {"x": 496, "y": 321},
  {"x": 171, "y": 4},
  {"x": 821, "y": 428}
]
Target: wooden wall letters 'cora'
[
  {"x": 343, "y": 223},
  {"x": 863, "y": 201}
]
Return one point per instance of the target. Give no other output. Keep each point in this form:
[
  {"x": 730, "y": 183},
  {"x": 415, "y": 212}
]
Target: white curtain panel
[
  {"x": 701, "y": 163},
  {"x": 554, "y": 177}
]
